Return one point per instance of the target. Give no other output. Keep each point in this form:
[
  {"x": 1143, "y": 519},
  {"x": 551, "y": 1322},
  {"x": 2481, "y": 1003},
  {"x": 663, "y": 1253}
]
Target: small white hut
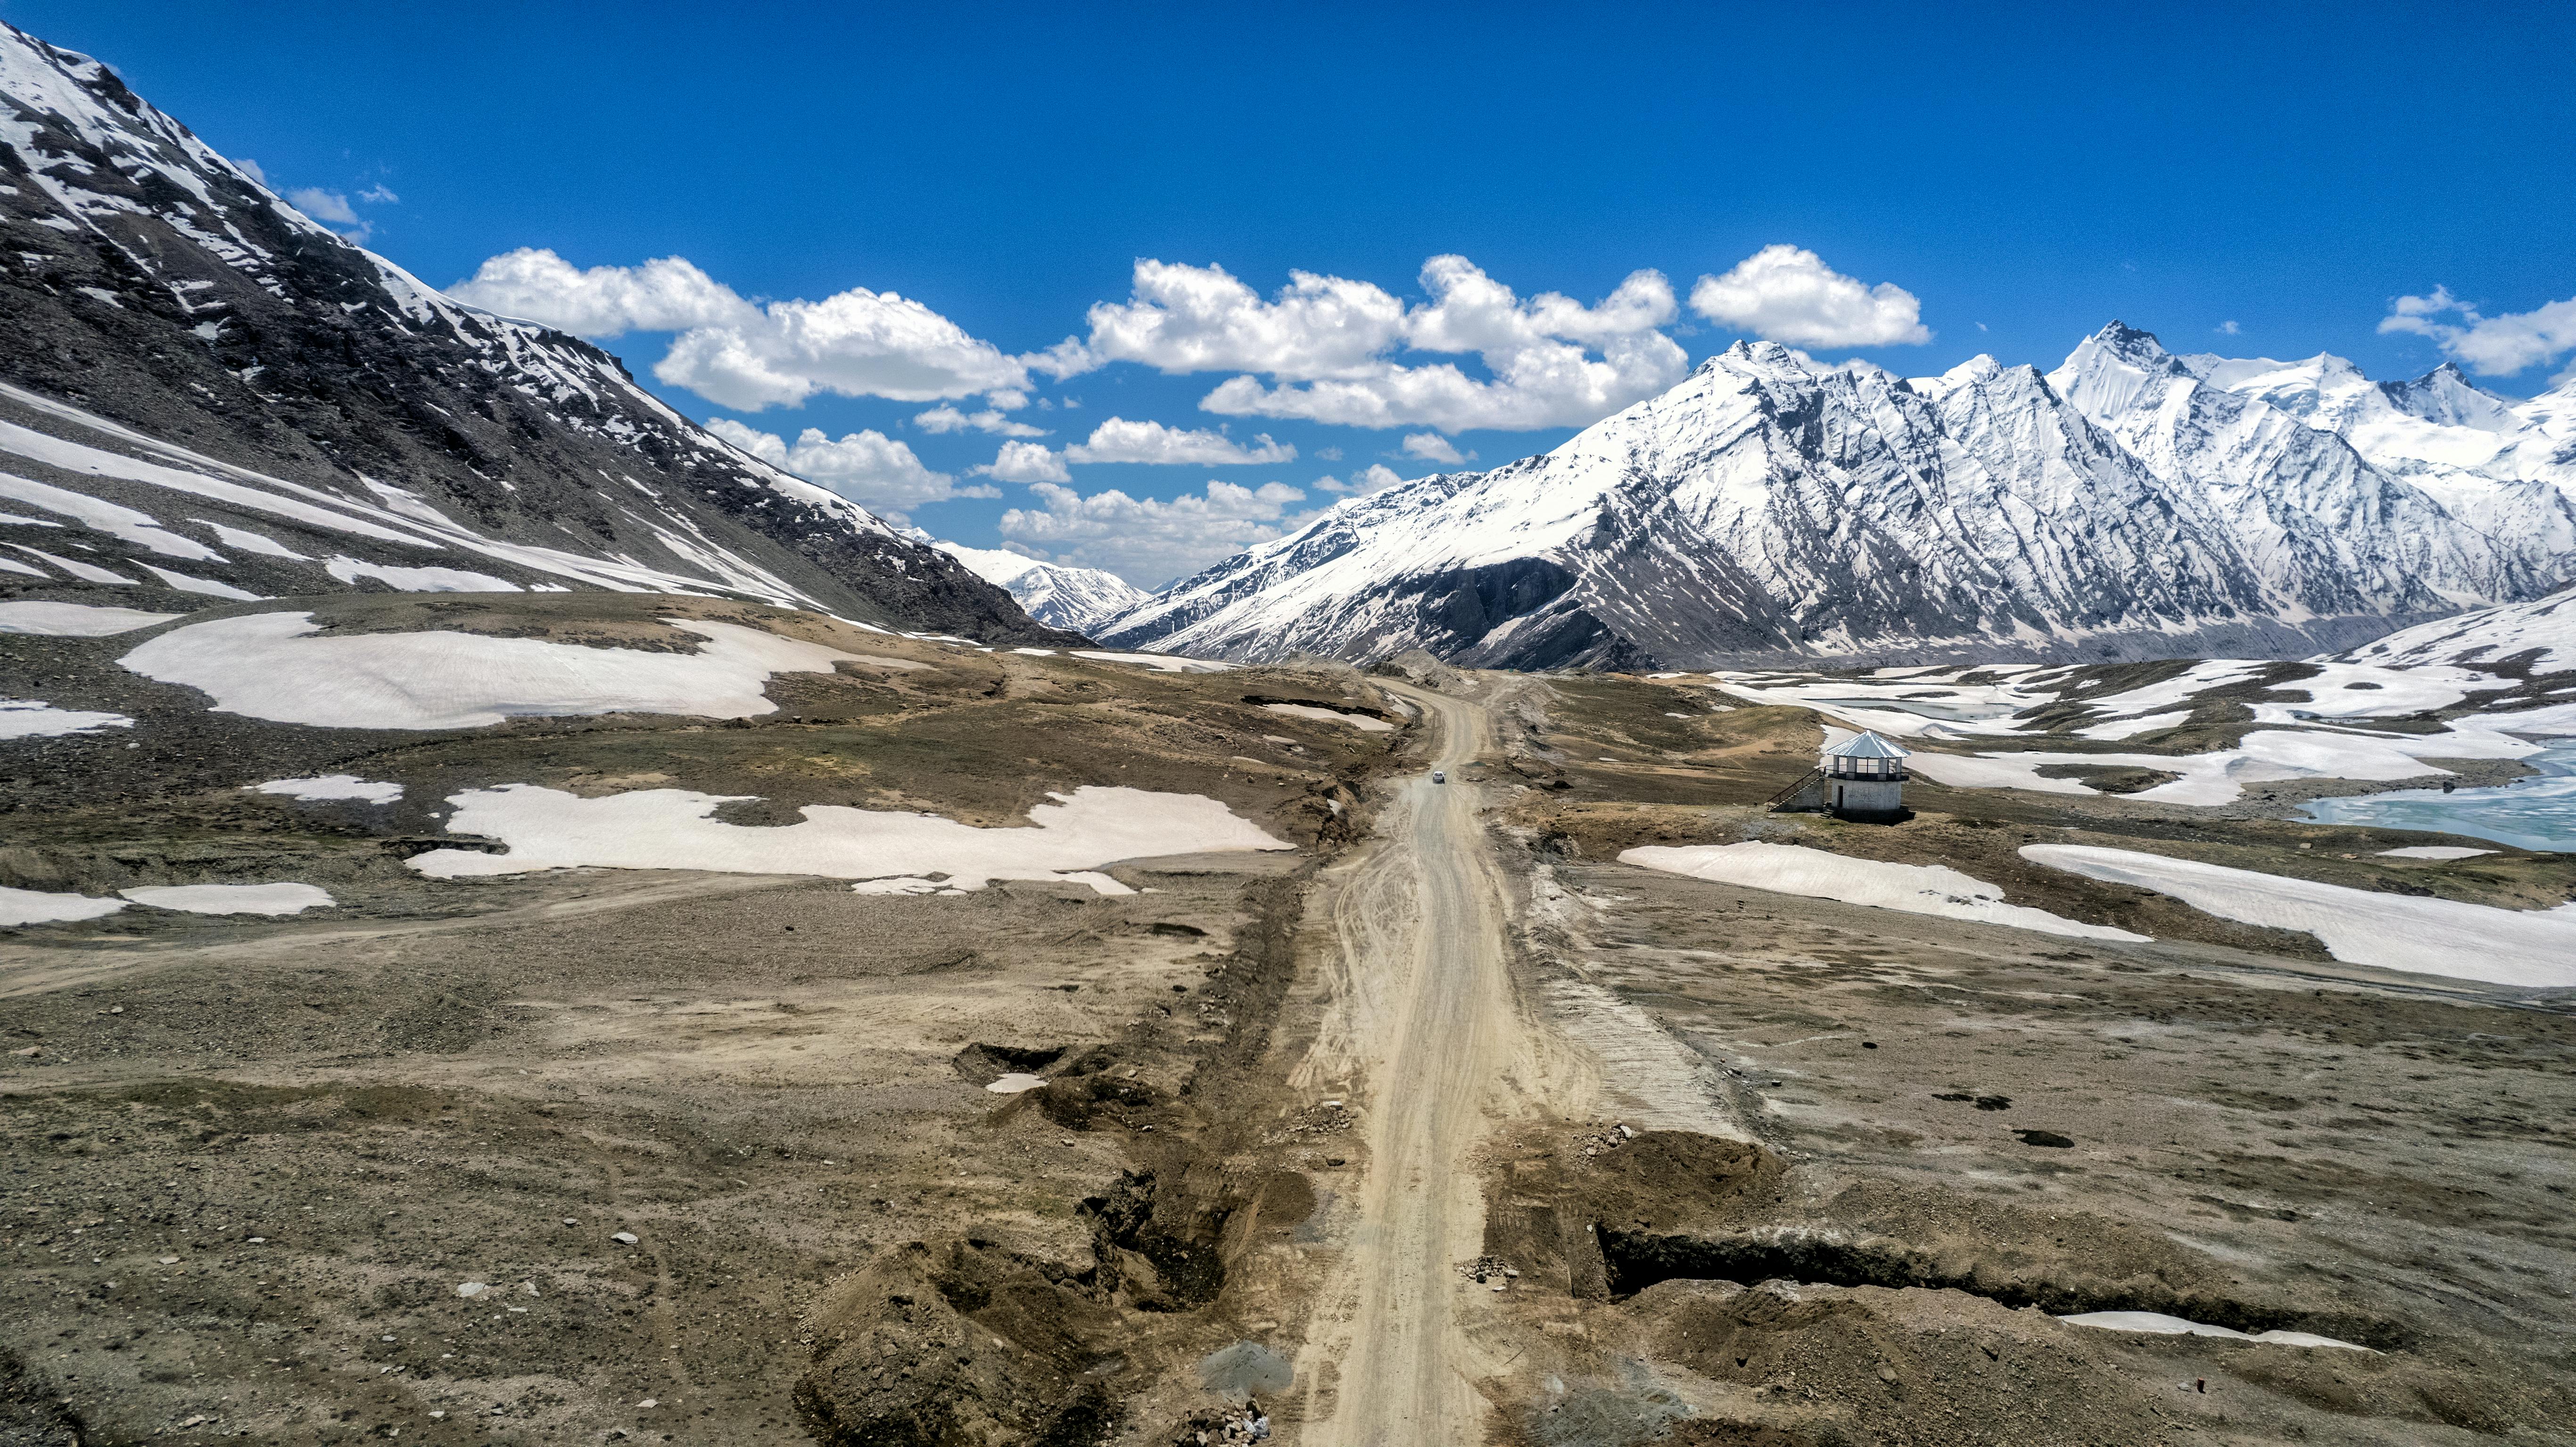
[{"x": 1864, "y": 777}]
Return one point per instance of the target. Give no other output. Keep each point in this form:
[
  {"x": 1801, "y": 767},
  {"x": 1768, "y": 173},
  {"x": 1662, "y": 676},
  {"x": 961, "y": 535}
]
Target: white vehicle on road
[{"x": 1439, "y": 776}]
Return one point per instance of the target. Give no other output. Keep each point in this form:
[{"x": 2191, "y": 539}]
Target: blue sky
[{"x": 2020, "y": 174}]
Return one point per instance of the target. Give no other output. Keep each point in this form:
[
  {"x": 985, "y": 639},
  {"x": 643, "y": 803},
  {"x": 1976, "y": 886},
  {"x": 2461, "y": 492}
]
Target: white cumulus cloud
[
  {"x": 1432, "y": 447},
  {"x": 1376, "y": 477},
  {"x": 1330, "y": 345},
  {"x": 1150, "y": 541},
  {"x": 1201, "y": 319},
  {"x": 2495, "y": 346},
  {"x": 1119, "y": 440},
  {"x": 1788, "y": 294},
  {"x": 944, "y": 418},
  {"x": 321, "y": 205},
  {"x": 746, "y": 355},
  {"x": 1026, "y": 462},
  {"x": 869, "y": 468},
  {"x": 667, "y": 294}
]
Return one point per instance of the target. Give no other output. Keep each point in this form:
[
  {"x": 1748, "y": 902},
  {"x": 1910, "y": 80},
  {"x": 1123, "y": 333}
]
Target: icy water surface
[{"x": 2533, "y": 813}]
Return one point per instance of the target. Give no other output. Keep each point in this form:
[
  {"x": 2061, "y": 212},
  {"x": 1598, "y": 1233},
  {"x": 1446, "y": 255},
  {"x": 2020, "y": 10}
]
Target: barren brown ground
[{"x": 1748, "y": 1169}]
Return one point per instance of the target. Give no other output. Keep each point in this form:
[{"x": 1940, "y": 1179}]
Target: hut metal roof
[{"x": 1866, "y": 746}]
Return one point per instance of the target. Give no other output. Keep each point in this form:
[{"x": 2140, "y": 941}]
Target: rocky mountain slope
[
  {"x": 204, "y": 392},
  {"x": 1077, "y": 599},
  {"x": 2131, "y": 504},
  {"x": 2519, "y": 639}
]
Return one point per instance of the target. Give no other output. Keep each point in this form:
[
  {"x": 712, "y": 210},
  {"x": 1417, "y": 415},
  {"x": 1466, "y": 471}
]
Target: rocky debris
[
  {"x": 1157, "y": 1253},
  {"x": 1095, "y": 1087},
  {"x": 1221, "y": 1427},
  {"x": 1330, "y": 1117},
  {"x": 1598, "y": 1139},
  {"x": 963, "y": 1342}
]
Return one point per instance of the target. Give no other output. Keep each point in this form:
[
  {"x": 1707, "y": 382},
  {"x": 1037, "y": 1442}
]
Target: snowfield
[
  {"x": 2487, "y": 636},
  {"x": 273, "y": 666},
  {"x": 1365, "y": 723},
  {"x": 331, "y": 786},
  {"x": 894, "y": 852},
  {"x": 2533, "y": 949},
  {"x": 270, "y": 899},
  {"x": 1159, "y": 662},
  {"x": 2220, "y": 777},
  {"x": 27, "y": 718},
  {"x": 37, "y": 906},
  {"x": 75, "y": 620},
  {"x": 1914, "y": 888}
]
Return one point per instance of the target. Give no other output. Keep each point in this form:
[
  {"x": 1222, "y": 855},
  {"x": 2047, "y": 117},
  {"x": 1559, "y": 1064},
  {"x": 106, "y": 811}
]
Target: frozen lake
[{"x": 2533, "y": 813}]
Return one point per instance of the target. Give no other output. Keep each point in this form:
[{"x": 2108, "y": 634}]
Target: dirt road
[{"x": 1425, "y": 1029}]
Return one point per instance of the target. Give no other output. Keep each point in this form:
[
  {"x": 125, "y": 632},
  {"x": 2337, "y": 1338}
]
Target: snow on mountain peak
[
  {"x": 1770, "y": 508},
  {"x": 1078, "y": 600}
]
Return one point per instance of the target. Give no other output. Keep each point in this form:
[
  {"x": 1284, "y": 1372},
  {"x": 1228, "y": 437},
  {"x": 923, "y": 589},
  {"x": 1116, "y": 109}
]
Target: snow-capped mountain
[
  {"x": 1075, "y": 599},
  {"x": 208, "y": 393},
  {"x": 1768, "y": 509},
  {"x": 2440, "y": 422},
  {"x": 2302, "y": 499}
]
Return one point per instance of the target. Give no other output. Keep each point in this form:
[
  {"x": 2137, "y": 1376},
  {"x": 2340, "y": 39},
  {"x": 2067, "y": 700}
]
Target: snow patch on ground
[
  {"x": 331, "y": 786},
  {"x": 2434, "y": 851},
  {"x": 2220, "y": 777},
  {"x": 1363, "y": 722},
  {"x": 2129, "y": 728},
  {"x": 232, "y": 898},
  {"x": 36, "y": 906},
  {"x": 2156, "y": 1323},
  {"x": 1159, "y": 662},
  {"x": 2531, "y": 949},
  {"x": 2489, "y": 636},
  {"x": 124, "y": 523},
  {"x": 28, "y": 718},
  {"x": 2371, "y": 690},
  {"x": 1903, "y": 707},
  {"x": 86, "y": 572},
  {"x": 2199, "y": 678},
  {"x": 271, "y": 666},
  {"x": 418, "y": 580},
  {"x": 1014, "y": 1083},
  {"x": 250, "y": 542},
  {"x": 207, "y": 586},
  {"x": 893, "y": 852},
  {"x": 75, "y": 620},
  {"x": 1914, "y": 888}
]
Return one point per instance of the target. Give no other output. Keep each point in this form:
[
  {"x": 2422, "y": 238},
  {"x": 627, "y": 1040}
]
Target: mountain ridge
[
  {"x": 178, "y": 332},
  {"x": 1059, "y": 595},
  {"x": 1770, "y": 510}
]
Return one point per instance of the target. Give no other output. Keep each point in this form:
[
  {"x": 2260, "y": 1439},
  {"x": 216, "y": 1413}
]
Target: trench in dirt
[{"x": 1636, "y": 1260}]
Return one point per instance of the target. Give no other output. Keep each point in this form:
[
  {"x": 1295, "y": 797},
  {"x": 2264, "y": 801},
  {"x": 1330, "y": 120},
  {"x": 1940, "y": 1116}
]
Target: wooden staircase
[{"x": 1787, "y": 799}]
